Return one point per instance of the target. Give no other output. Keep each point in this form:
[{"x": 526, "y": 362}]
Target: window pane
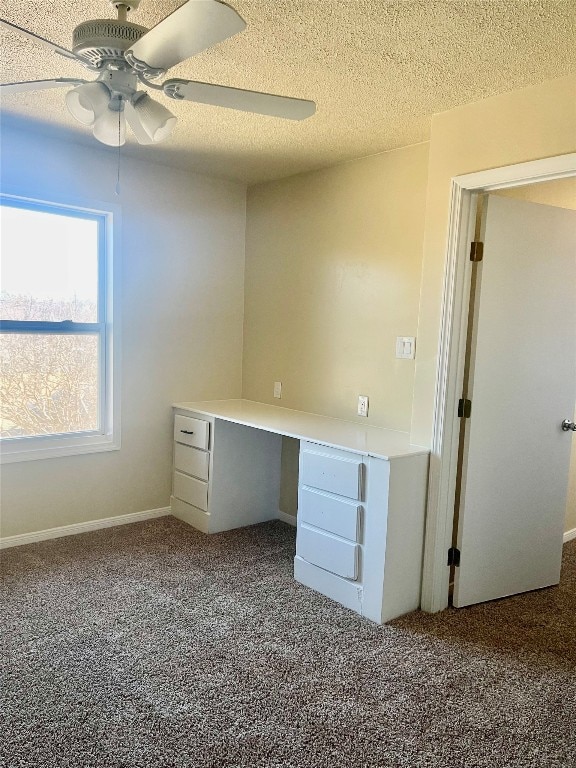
[
  {"x": 48, "y": 384},
  {"x": 49, "y": 268}
]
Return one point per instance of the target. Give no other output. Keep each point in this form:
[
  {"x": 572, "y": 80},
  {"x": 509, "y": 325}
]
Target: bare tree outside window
[{"x": 48, "y": 382}]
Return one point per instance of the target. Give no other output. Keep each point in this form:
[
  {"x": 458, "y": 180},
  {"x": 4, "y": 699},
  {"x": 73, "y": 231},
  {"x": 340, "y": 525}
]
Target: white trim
[
  {"x": 451, "y": 355},
  {"x": 91, "y": 525},
  {"x": 444, "y": 451},
  {"x": 55, "y": 446},
  {"x": 533, "y": 172},
  {"x": 286, "y": 518},
  {"x": 569, "y": 535}
]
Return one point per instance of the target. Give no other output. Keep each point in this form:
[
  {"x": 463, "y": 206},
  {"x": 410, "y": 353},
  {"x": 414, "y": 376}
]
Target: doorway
[{"x": 465, "y": 195}]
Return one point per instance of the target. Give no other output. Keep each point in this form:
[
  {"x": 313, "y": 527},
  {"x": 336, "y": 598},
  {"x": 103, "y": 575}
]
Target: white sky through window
[{"x": 48, "y": 256}]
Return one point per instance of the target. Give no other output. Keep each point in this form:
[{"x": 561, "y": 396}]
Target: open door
[{"x": 522, "y": 386}]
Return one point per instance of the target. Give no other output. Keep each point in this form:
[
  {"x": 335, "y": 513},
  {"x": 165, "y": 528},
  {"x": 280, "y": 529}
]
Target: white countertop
[{"x": 336, "y": 433}]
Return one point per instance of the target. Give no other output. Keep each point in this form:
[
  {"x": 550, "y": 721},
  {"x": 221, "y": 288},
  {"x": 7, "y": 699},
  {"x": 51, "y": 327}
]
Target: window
[{"x": 56, "y": 332}]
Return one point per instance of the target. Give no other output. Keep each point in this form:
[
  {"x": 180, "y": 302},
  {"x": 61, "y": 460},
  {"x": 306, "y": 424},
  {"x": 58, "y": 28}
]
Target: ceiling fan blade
[
  {"x": 236, "y": 98},
  {"x": 42, "y": 40},
  {"x": 39, "y": 85},
  {"x": 192, "y": 28}
]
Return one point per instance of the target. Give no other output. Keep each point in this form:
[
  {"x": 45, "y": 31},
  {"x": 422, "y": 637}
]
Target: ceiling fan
[{"x": 125, "y": 55}]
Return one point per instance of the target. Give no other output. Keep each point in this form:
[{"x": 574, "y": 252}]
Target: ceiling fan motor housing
[{"x": 102, "y": 40}]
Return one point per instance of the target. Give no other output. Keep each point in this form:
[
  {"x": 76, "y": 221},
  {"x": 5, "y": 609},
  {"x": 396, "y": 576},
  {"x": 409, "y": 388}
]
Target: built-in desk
[{"x": 361, "y": 495}]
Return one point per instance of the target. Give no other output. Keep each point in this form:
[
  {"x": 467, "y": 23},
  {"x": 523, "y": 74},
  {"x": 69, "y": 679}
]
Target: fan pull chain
[{"x": 118, "y": 166}]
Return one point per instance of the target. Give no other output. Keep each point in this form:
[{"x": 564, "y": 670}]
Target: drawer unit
[
  {"x": 328, "y": 552},
  {"x": 332, "y": 471},
  {"x": 191, "y": 490},
  {"x": 193, "y": 432},
  {"x": 329, "y": 529},
  {"x": 225, "y": 475},
  {"x": 331, "y": 513},
  {"x": 192, "y": 461}
]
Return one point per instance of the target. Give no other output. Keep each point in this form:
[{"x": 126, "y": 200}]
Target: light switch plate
[
  {"x": 278, "y": 389},
  {"x": 405, "y": 347}
]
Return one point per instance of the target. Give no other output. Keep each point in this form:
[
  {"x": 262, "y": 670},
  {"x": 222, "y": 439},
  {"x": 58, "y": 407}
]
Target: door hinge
[
  {"x": 453, "y": 557},
  {"x": 476, "y": 250},
  {"x": 464, "y": 408}
]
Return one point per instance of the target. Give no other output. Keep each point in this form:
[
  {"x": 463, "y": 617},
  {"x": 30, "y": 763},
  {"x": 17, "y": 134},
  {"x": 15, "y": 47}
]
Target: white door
[{"x": 522, "y": 386}]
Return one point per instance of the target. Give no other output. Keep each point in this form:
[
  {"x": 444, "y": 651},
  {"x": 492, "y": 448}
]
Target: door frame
[{"x": 465, "y": 191}]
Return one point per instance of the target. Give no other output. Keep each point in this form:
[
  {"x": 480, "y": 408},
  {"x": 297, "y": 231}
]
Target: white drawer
[
  {"x": 336, "y": 473},
  {"x": 191, "y": 490},
  {"x": 329, "y": 552},
  {"x": 191, "y": 460},
  {"x": 189, "y": 431},
  {"x": 331, "y": 513}
]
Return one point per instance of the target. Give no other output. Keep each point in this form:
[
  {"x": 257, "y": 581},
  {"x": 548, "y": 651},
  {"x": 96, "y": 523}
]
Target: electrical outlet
[
  {"x": 278, "y": 389},
  {"x": 363, "y": 405}
]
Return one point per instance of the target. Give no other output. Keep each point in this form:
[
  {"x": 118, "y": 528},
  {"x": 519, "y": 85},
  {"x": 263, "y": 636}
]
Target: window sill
[{"x": 31, "y": 449}]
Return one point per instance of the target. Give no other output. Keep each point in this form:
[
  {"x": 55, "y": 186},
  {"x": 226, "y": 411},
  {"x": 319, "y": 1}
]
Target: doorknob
[{"x": 568, "y": 426}]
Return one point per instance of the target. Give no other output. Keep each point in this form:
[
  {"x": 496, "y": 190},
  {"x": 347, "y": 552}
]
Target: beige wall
[
  {"x": 561, "y": 193},
  {"x": 332, "y": 277},
  {"x": 182, "y": 306},
  {"x": 515, "y": 127},
  {"x": 325, "y": 261}
]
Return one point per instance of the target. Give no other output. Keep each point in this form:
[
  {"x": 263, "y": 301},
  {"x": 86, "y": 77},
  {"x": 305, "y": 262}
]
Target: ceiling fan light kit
[
  {"x": 110, "y": 128},
  {"x": 86, "y": 101},
  {"x": 101, "y": 104},
  {"x": 125, "y": 55},
  {"x": 156, "y": 121}
]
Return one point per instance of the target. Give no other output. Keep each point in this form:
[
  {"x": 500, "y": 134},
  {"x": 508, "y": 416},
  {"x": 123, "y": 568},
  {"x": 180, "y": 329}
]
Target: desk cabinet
[
  {"x": 360, "y": 525},
  {"x": 361, "y": 529},
  {"x": 225, "y": 475}
]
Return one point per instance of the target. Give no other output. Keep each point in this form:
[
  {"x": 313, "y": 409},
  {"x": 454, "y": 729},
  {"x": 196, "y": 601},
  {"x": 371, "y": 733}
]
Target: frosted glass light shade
[
  {"x": 87, "y": 101},
  {"x": 157, "y": 121},
  {"x": 134, "y": 122},
  {"x": 110, "y": 128}
]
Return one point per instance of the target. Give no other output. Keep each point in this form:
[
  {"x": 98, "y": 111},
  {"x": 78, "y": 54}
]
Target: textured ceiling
[{"x": 377, "y": 70}]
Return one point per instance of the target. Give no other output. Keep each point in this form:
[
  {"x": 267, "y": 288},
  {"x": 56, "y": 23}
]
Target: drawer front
[
  {"x": 330, "y": 513},
  {"x": 191, "y": 460},
  {"x": 191, "y": 490},
  {"x": 332, "y": 473},
  {"x": 329, "y": 552},
  {"x": 189, "y": 431}
]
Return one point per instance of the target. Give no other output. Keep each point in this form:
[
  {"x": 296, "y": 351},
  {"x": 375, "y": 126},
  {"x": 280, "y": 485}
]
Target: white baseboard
[
  {"x": 286, "y": 518},
  {"x": 91, "y": 525},
  {"x": 133, "y": 517}
]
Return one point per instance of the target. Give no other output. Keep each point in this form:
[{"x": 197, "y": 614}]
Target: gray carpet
[{"x": 154, "y": 645}]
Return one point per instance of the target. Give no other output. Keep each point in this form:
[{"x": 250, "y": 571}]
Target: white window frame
[{"x": 107, "y": 438}]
